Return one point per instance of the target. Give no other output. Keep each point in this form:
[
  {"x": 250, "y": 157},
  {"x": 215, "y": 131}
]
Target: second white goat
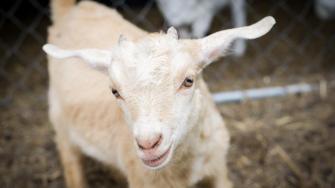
[{"x": 193, "y": 17}]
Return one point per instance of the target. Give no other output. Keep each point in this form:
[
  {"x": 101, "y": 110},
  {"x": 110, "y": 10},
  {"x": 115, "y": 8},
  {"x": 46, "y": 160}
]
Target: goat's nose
[{"x": 147, "y": 144}]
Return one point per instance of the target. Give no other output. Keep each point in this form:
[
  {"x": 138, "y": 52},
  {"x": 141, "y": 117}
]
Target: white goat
[
  {"x": 161, "y": 127},
  {"x": 198, "y": 14}
]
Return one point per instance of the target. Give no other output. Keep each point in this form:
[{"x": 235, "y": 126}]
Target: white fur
[{"x": 89, "y": 149}]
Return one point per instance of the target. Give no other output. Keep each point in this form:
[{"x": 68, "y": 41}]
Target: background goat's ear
[
  {"x": 217, "y": 44},
  {"x": 94, "y": 57}
]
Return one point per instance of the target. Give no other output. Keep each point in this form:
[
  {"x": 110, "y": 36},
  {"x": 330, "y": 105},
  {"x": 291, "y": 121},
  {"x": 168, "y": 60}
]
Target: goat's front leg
[
  {"x": 221, "y": 179},
  {"x": 201, "y": 25},
  {"x": 71, "y": 161}
]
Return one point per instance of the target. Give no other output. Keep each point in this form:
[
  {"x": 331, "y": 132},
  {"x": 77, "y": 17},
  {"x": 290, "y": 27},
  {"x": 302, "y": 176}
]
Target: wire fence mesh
[{"x": 300, "y": 49}]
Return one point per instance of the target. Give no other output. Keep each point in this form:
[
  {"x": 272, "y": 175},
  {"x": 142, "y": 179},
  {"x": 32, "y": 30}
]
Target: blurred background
[{"x": 286, "y": 141}]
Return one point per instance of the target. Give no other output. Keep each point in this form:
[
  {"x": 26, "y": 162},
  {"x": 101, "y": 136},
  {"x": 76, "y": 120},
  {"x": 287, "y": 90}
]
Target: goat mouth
[{"x": 158, "y": 161}]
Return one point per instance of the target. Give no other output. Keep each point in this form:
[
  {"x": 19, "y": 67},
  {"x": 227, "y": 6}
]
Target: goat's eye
[
  {"x": 116, "y": 93},
  {"x": 188, "y": 82}
]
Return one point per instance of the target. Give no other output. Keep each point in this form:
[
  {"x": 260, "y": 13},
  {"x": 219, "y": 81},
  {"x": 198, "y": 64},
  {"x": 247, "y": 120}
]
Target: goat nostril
[
  {"x": 158, "y": 141},
  {"x": 141, "y": 147},
  {"x": 149, "y": 144}
]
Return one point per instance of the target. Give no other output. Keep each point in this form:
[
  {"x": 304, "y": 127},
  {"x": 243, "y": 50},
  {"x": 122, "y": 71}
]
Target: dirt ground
[
  {"x": 278, "y": 142},
  {"x": 286, "y": 143}
]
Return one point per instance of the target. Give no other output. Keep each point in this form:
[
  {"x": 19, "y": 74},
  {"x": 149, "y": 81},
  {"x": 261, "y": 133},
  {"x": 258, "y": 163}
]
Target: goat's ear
[
  {"x": 217, "y": 44},
  {"x": 94, "y": 57}
]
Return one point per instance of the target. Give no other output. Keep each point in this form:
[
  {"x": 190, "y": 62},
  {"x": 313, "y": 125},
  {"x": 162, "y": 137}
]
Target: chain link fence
[{"x": 299, "y": 49}]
